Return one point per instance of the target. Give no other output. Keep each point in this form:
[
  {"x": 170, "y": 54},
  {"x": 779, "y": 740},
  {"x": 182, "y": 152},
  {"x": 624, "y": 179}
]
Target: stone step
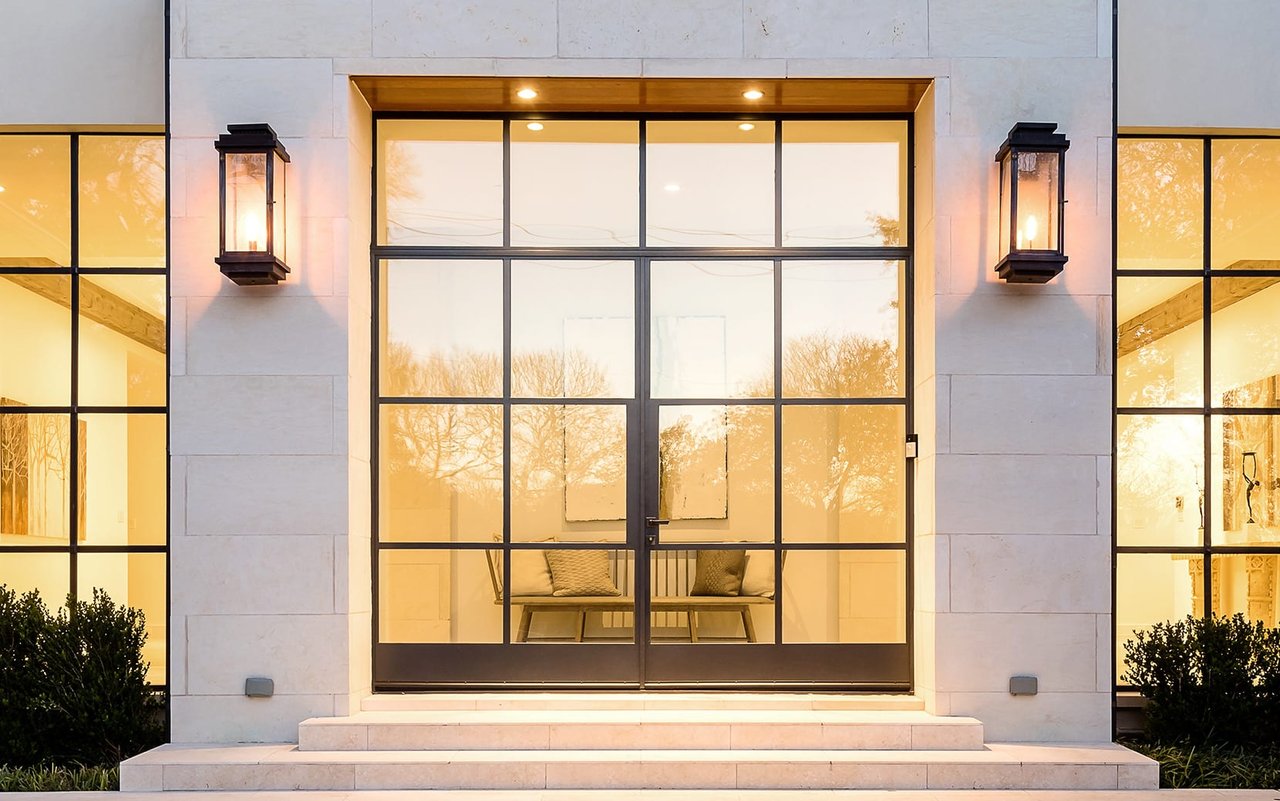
[
  {"x": 1103, "y": 766},
  {"x": 641, "y": 729},
  {"x": 425, "y": 702}
]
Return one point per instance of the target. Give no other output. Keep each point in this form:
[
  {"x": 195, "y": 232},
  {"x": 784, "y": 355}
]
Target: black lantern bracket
[
  {"x": 1032, "y": 201},
  {"x": 251, "y": 208}
]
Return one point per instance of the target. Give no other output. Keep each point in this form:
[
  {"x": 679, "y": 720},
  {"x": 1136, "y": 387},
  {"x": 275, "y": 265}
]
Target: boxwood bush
[
  {"x": 73, "y": 687},
  {"x": 1213, "y": 680}
]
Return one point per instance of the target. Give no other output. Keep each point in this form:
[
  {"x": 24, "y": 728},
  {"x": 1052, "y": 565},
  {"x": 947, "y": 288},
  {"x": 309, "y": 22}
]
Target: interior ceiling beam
[
  {"x": 1187, "y": 307},
  {"x": 99, "y": 305},
  {"x": 641, "y": 95}
]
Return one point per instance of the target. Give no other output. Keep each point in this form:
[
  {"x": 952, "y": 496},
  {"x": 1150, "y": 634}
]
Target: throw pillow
[
  {"x": 757, "y": 579},
  {"x": 577, "y": 573},
  {"x": 530, "y": 574},
  {"x": 719, "y": 572}
]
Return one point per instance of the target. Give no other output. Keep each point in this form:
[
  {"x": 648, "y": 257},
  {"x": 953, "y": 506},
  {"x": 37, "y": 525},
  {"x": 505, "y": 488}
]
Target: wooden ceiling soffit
[
  {"x": 1187, "y": 307},
  {"x": 644, "y": 95},
  {"x": 96, "y": 304}
]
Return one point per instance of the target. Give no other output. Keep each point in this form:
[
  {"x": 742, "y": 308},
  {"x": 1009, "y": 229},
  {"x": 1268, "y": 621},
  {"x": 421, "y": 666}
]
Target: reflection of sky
[{"x": 587, "y": 193}]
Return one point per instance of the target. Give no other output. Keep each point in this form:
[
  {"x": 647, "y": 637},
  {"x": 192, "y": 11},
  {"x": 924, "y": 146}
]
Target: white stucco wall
[
  {"x": 72, "y": 63},
  {"x": 1198, "y": 64},
  {"x": 270, "y": 496}
]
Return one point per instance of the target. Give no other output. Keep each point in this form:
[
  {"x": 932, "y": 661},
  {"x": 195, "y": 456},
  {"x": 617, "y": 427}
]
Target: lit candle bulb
[
  {"x": 253, "y": 229},
  {"x": 1032, "y": 229}
]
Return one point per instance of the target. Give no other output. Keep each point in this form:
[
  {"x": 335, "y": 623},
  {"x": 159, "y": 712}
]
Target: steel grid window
[{"x": 84, "y": 371}]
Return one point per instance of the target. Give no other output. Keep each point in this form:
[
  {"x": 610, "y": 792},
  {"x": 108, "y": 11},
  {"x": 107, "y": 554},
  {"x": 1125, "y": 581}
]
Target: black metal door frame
[{"x": 641, "y": 664}]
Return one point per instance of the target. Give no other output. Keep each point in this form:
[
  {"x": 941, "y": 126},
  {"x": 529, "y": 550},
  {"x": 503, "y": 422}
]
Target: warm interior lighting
[
  {"x": 526, "y": 94},
  {"x": 535, "y": 126},
  {"x": 753, "y": 94},
  {"x": 1, "y": 188},
  {"x": 253, "y": 229},
  {"x": 746, "y": 126}
]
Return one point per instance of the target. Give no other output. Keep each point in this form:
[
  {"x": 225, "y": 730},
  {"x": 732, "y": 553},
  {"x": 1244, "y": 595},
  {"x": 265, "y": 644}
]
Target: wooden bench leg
[
  {"x": 526, "y": 617},
  {"x": 748, "y": 625},
  {"x": 581, "y": 627},
  {"x": 693, "y": 625}
]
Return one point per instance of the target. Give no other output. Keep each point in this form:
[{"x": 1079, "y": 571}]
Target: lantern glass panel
[
  {"x": 246, "y": 211},
  {"x": 1037, "y": 224},
  {"x": 278, "y": 238},
  {"x": 1006, "y": 201}
]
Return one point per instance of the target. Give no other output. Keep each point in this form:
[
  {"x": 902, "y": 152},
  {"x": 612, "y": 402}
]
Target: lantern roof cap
[
  {"x": 250, "y": 137},
  {"x": 1033, "y": 136}
]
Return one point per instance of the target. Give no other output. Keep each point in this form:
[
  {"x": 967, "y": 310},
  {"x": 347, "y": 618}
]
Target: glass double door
[{"x": 660, "y": 472}]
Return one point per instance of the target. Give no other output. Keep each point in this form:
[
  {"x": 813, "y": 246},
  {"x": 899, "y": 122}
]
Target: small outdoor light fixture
[
  {"x": 251, "y": 237},
  {"x": 1031, "y": 202}
]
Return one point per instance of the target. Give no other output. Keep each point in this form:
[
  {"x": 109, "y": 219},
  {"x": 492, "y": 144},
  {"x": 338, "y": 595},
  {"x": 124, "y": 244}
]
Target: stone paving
[{"x": 673, "y": 795}]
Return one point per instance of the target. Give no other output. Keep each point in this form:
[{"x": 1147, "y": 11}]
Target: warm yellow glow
[
  {"x": 253, "y": 229},
  {"x": 753, "y": 94},
  {"x": 526, "y": 94},
  {"x": 1, "y": 188},
  {"x": 1027, "y": 232},
  {"x": 535, "y": 126},
  {"x": 746, "y": 126}
]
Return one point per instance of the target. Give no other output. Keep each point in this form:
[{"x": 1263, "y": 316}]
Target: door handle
[{"x": 651, "y": 530}]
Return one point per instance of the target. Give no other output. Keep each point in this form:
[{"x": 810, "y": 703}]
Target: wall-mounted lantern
[
  {"x": 251, "y": 235},
  {"x": 1031, "y": 203}
]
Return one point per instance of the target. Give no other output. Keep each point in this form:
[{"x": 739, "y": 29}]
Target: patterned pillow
[
  {"x": 580, "y": 573},
  {"x": 719, "y": 573}
]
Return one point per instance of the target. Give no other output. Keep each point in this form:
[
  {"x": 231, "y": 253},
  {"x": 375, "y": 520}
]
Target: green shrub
[
  {"x": 1233, "y": 767},
  {"x": 1208, "y": 680},
  {"x": 58, "y": 780},
  {"x": 73, "y": 685}
]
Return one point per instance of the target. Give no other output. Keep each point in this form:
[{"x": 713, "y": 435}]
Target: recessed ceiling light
[
  {"x": 526, "y": 94},
  {"x": 753, "y": 94},
  {"x": 746, "y": 126},
  {"x": 1, "y": 188},
  {"x": 672, "y": 187},
  {"x": 534, "y": 126}
]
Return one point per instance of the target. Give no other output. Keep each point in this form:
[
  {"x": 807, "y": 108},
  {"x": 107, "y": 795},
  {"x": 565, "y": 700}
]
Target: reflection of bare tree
[
  {"x": 129, "y": 183},
  {"x": 1158, "y": 208}
]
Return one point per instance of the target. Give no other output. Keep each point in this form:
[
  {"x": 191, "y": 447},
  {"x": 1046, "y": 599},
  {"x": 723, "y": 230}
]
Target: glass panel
[
  {"x": 575, "y": 182},
  {"x": 571, "y": 595},
  {"x": 279, "y": 235},
  {"x": 35, "y": 478},
  {"x": 246, "y": 219},
  {"x": 1246, "y": 457},
  {"x": 122, "y": 340},
  {"x": 843, "y": 473},
  {"x": 1160, "y": 204},
  {"x": 1246, "y": 583},
  {"x": 1246, "y": 204},
  {"x": 48, "y": 573},
  {"x": 842, "y": 329},
  {"x": 1246, "y": 341},
  {"x": 122, "y": 191},
  {"x": 428, "y": 596},
  {"x": 1006, "y": 203},
  {"x": 844, "y": 596},
  {"x": 440, "y": 473},
  {"x": 441, "y": 328},
  {"x": 709, "y": 184},
  {"x": 843, "y": 183},
  {"x": 1160, "y": 345},
  {"x": 711, "y": 596},
  {"x": 573, "y": 329},
  {"x": 716, "y": 473},
  {"x": 1154, "y": 588},
  {"x": 1037, "y": 201},
  {"x": 1160, "y": 480},
  {"x": 440, "y": 182},
  {"x": 124, "y": 498},
  {"x": 568, "y": 473},
  {"x": 35, "y": 340},
  {"x": 712, "y": 329},
  {"x": 35, "y": 206},
  {"x": 136, "y": 580}
]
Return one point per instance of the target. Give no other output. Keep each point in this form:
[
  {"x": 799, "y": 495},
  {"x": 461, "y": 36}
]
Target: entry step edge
[{"x": 387, "y": 702}]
